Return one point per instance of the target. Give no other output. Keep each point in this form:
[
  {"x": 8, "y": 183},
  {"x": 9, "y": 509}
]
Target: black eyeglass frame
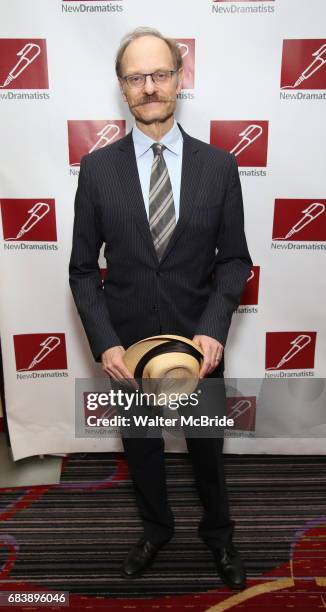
[{"x": 127, "y": 78}]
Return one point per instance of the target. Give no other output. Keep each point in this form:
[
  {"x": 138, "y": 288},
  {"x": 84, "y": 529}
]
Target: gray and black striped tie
[{"x": 161, "y": 204}]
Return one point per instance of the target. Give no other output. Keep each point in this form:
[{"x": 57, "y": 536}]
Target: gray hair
[{"x": 144, "y": 31}]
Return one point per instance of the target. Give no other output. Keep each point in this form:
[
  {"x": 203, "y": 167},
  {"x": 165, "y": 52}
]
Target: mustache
[{"x": 154, "y": 98}]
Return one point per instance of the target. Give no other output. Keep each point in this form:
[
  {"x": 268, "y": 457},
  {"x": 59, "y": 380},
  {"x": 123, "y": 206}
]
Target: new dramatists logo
[
  {"x": 304, "y": 64},
  {"x": 23, "y": 63},
  {"x": 250, "y": 293},
  {"x": 187, "y": 50},
  {"x": 242, "y": 411},
  {"x": 237, "y": 7},
  {"x": 247, "y": 140},
  {"x": 299, "y": 220},
  {"x": 88, "y": 136},
  {"x": 40, "y": 352},
  {"x": 290, "y": 350},
  {"x": 28, "y": 220}
]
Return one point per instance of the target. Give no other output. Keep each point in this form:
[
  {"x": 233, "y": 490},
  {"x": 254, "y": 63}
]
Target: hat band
[{"x": 168, "y": 347}]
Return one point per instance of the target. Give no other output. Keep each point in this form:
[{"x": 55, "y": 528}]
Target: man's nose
[{"x": 149, "y": 86}]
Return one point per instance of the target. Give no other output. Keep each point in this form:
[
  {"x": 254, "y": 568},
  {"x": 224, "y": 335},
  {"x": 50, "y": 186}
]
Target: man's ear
[{"x": 179, "y": 80}]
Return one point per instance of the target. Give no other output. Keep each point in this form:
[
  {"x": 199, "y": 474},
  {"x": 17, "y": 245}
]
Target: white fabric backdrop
[{"x": 235, "y": 49}]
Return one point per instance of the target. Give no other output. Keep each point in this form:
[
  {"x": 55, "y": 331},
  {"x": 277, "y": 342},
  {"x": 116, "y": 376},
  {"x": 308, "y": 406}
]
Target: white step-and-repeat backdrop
[{"x": 255, "y": 84}]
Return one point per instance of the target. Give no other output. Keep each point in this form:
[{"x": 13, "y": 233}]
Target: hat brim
[{"x": 136, "y": 351}]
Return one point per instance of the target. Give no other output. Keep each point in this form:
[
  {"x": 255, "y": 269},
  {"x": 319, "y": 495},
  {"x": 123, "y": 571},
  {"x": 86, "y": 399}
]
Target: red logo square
[
  {"x": 247, "y": 140},
  {"x": 243, "y": 411},
  {"x": 87, "y": 136},
  {"x": 23, "y": 63},
  {"x": 304, "y": 64},
  {"x": 299, "y": 220},
  {"x": 27, "y": 220},
  {"x": 40, "y": 352},
  {"x": 290, "y": 350}
]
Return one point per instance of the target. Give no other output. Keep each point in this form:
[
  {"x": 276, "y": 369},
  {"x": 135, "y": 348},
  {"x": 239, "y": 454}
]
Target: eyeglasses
[{"x": 160, "y": 77}]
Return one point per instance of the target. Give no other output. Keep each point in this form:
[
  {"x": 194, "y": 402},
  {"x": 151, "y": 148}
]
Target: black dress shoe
[
  {"x": 230, "y": 566},
  {"x": 139, "y": 558}
]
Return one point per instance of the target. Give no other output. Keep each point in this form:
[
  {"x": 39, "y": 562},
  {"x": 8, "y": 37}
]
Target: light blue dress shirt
[{"x": 173, "y": 158}]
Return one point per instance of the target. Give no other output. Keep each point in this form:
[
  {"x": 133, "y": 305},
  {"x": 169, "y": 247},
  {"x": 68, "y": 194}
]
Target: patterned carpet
[{"x": 75, "y": 535}]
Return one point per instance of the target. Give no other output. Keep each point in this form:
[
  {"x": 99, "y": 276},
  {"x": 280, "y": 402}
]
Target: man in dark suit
[{"x": 169, "y": 209}]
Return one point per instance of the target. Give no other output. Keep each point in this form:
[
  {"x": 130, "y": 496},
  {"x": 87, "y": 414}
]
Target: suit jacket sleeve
[
  {"x": 84, "y": 272},
  {"x": 233, "y": 263}
]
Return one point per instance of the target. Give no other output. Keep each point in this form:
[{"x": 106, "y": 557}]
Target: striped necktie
[{"x": 161, "y": 204}]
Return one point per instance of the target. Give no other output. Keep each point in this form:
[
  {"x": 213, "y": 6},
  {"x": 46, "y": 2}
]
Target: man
[{"x": 169, "y": 209}]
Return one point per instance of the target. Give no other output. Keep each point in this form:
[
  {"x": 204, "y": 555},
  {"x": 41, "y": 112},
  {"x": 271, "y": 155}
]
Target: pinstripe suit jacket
[{"x": 195, "y": 287}]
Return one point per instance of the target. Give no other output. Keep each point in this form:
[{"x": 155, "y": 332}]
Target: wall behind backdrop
[{"x": 255, "y": 84}]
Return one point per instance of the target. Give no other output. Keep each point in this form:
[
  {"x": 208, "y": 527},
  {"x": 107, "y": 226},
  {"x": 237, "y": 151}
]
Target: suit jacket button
[{"x": 155, "y": 308}]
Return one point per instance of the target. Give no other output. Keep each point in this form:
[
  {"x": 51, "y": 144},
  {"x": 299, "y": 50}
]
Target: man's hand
[
  {"x": 213, "y": 351},
  {"x": 113, "y": 365}
]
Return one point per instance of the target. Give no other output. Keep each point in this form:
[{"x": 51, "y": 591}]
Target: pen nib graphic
[
  {"x": 316, "y": 64},
  {"x": 35, "y": 216},
  {"x": 299, "y": 343},
  {"x": 105, "y": 139},
  {"x": 48, "y": 345},
  {"x": 26, "y": 55},
  {"x": 309, "y": 214},
  {"x": 248, "y": 137}
]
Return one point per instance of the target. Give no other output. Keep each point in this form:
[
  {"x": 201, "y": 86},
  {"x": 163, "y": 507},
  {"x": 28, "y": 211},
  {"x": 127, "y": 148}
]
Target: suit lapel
[
  {"x": 129, "y": 177},
  {"x": 190, "y": 176}
]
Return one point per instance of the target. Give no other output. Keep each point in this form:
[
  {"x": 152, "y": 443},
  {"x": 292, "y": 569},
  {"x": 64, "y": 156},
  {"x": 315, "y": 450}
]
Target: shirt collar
[{"x": 173, "y": 140}]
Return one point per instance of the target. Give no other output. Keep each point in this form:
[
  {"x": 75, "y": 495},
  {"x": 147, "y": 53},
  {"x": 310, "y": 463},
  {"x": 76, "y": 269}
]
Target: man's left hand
[{"x": 213, "y": 351}]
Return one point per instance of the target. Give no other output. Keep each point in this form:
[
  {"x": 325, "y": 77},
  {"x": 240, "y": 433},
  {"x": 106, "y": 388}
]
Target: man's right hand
[{"x": 113, "y": 365}]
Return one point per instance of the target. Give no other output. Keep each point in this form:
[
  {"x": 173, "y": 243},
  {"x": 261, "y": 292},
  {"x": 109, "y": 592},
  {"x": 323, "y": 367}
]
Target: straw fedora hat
[{"x": 165, "y": 363}]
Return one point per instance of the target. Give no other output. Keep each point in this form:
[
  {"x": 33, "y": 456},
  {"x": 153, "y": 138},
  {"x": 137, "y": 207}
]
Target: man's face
[{"x": 152, "y": 102}]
